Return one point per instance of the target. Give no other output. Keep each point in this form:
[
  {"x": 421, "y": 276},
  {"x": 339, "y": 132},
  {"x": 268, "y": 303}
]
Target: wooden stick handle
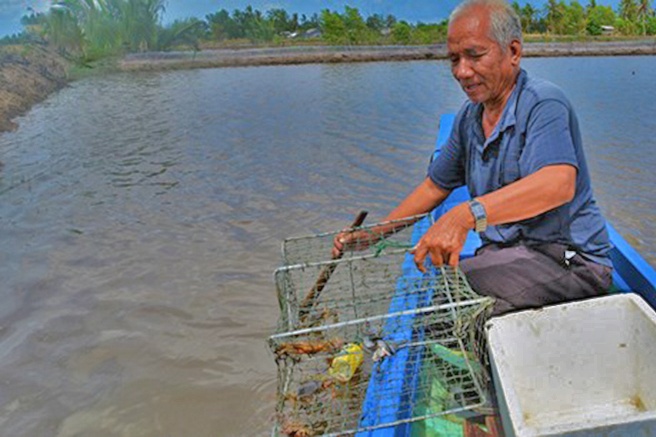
[{"x": 326, "y": 272}]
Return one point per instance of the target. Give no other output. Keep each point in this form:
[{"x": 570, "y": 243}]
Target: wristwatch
[{"x": 480, "y": 215}]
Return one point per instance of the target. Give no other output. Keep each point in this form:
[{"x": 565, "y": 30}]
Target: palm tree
[
  {"x": 527, "y": 15},
  {"x": 139, "y": 21},
  {"x": 628, "y": 13},
  {"x": 62, "y": 31},
  {"x": 628, "y": 10},
  {"x": 643, "y": 13},
  {"x": 107, "y": 26},
  {"x": 555, "y": 14},
  {"x": 182, "y": 32}
]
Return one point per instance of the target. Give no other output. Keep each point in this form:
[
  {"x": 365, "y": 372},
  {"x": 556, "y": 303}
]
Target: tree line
[
  {"x": 93, "y": 29},
  {"x": 632, "y": 18}
]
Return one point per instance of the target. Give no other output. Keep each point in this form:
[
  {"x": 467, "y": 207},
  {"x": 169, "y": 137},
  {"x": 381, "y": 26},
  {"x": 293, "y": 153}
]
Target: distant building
[
  {"x": 290, "y": 35},
  {"x": 312, "y": 33},
  {"x": 607, "y": 30}
]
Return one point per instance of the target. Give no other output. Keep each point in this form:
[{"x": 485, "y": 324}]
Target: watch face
[{"x": 479, "y": 215}]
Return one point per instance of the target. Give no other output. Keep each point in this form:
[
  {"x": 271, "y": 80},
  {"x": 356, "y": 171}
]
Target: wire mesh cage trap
[{"x": 378, "y": 346}]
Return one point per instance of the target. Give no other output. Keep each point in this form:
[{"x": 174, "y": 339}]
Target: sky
[{"x": 427, "y": 11}]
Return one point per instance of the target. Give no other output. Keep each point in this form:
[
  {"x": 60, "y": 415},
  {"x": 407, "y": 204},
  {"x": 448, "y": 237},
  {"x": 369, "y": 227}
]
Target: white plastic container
[{"x": 581, "y": 369}]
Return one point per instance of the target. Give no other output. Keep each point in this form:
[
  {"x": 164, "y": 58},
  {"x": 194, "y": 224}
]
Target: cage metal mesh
[{"x": 378, "y": 346}]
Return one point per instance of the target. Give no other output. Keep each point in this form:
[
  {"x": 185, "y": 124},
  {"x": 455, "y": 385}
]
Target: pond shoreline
[
  {"x": 157, "y": 61},
  {"x": 29, "y": 74}
]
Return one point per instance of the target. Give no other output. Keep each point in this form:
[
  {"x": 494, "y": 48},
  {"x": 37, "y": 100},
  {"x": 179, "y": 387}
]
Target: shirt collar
[{"x": 508, "y": 118}]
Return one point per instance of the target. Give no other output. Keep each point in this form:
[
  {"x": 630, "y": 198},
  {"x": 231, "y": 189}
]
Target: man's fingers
[
  {"x": 453, "y": 259},
  {"x": 351, "y": 240},
  {"x": 437, "y": 258},
  {"x": 420, "y": 256},
  {"x": 338, "y": 245}
]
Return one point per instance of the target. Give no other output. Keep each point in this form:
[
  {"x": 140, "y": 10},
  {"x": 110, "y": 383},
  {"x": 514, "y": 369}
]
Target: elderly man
[{"x": 516, "y": 144}]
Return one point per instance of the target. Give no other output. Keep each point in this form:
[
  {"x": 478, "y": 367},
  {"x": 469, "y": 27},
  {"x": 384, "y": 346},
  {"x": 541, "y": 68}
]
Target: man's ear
[{"x": 515, "y": 52}]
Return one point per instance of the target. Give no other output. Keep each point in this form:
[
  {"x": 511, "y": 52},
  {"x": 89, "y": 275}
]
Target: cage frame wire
[{"x": 404, "y": 224}]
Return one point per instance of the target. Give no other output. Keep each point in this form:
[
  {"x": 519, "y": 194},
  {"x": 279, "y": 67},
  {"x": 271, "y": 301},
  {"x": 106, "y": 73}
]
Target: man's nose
[{"x": 462, "y": 69}]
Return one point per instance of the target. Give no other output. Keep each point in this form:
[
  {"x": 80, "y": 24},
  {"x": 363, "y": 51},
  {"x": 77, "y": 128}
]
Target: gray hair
[{"x": 505, "y": 25}]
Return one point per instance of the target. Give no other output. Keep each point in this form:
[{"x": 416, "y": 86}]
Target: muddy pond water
[{"x": 141, "y": 217}]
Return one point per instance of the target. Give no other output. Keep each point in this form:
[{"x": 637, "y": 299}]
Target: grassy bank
[{"x": 28, "y": 74}]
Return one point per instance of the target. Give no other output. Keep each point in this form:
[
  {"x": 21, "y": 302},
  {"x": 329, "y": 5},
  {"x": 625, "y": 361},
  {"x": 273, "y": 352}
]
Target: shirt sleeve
[
  {"x": 548, "y": 138},
  {"x": 447, "y": 170}
]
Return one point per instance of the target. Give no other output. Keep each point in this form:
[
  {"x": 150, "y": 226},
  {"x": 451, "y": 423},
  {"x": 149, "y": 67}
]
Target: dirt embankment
[
  {"x": 28, "y": 74},
  {"x": 331, "y": 54}
]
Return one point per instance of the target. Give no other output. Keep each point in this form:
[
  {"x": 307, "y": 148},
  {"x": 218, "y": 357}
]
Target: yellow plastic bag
[{"x": 344, "y": 365}]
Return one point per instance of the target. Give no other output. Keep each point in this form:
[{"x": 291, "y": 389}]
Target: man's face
[{"x": 485, "y": 72}]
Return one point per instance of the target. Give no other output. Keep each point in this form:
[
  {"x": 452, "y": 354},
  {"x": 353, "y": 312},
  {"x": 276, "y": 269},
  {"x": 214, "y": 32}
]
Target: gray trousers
[{"x": 522, "y": 277}]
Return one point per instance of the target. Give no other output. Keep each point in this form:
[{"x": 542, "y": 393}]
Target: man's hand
[
  {"x": 444, "y": 241},
  {"x": 353, "y": 240}
]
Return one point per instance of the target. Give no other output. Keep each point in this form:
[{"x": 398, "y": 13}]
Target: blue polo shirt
[{"x": 538, "y": 128}]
